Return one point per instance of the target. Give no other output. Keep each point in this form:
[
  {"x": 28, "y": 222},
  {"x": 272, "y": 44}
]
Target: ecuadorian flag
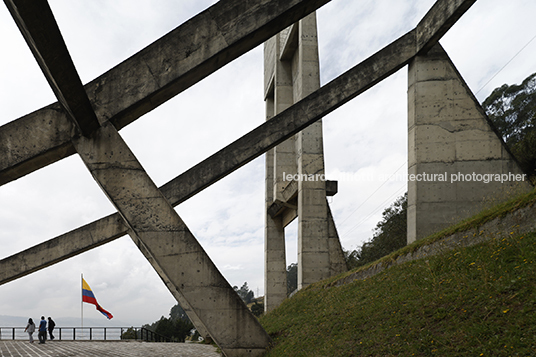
[{"x": 87, "y": 296}]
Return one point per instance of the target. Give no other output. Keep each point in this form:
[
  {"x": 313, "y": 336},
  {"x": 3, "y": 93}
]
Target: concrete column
[
  {"x": 284, "y": 153},
  {"x": 275, "y": 270},
  {"x": 449, "y": 135},
  {"x": 313, "y": 244}
]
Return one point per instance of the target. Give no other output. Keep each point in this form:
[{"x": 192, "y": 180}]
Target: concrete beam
[
  {"x": 62, "y": 247},
  {"x": 289, "y": 195},
  {"x": 274, "y": 131},
  {"x": 168, "y": 66},
  {"x": 40, "y": 30},
  {"x": 441, "y": 17},
  {"x": 170, "y": 247},
  {"x": 291, "y": 121}
]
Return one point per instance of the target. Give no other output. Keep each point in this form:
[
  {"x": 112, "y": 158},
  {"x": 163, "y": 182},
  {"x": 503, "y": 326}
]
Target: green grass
[
  {"x": 476, "y": 301},
  {"x": 486, "y": 215}
]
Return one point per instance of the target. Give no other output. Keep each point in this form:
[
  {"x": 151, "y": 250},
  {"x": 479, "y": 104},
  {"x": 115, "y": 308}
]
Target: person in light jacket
[{"x": 30, "y": 328}]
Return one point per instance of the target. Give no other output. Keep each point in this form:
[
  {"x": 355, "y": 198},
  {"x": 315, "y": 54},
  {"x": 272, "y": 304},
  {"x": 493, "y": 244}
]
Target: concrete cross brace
[
  {"x": 169, "y": 245},
  {"x": 40, "y": 30},
  {"x": 168, "y": 66},
  {"x": 320, "y": 103}
]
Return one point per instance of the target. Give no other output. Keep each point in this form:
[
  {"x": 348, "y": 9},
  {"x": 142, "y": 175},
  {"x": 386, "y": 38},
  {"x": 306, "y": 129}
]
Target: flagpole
[{"x": 82, "y": 300}]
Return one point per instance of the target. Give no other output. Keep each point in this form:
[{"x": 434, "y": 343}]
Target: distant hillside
[{"x": 475, "y": 301}]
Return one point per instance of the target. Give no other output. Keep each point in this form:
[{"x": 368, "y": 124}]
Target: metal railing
[
  {"x": 88, "y": 334},
  {"x": 150, "y": 336}
]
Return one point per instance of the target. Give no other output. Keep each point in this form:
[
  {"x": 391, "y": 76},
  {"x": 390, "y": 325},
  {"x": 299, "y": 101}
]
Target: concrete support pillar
[
  {"x": 313, "y": 247},
  {"x": 275, "y": 273},
  {"x": 449, "y": 136}
]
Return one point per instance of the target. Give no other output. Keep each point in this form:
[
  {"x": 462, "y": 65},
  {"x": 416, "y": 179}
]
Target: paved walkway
[{"x": 105, "y": 349}]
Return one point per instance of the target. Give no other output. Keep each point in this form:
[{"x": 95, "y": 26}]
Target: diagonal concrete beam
[
  {"x": 40, "y": 30},
  {"x": 175, "y": 62},
  {"x": 320, "y": 103},
  {"x": 443, "y": 13},
  {"x": 169, "y": 245}
]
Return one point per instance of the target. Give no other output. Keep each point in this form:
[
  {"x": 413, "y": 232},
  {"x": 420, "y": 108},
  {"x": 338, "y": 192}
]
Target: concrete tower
[{"x": 295, "y": 184}]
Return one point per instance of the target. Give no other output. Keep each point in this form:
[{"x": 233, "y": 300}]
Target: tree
[
  {"x": 257, "y": 309},
  {"x": 389, "y": 235},
  {"x": 352, "y": 258},
  {"x": 245, "y": 294},
  {"x": 292, "y": 278},
  {"x": 129, "y": 334},
  {"x": 165, "y": 327},
  {"x": 175, "y": 327},
  {"x": 512, "y": 110},
  {"x": 177, "y": 312}
]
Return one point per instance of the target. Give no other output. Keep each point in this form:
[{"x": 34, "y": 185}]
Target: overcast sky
[{"x": 367, "y": 136}]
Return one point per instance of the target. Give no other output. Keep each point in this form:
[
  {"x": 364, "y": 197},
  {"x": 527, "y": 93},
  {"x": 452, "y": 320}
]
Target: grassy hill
[{"x": 476, "y": 301}]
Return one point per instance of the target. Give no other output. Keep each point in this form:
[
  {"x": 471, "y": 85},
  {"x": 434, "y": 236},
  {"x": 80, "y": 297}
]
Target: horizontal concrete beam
[
  {"x": 40, "y": 30},
  {"x": 152, "y": 76},
  {"x": 274, "y": 131}
]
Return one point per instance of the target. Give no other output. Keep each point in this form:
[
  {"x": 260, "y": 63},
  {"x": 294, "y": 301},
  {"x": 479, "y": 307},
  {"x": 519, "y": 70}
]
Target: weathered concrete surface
[
  {"x": 275, "y": 270},
  {"x": 106, "y": 349},
  {"x": 40, "y": 30},
  {"x": 450, "y": 135},
  {"x": 169, "y": 246},
  {"x": 441, "y": 17},
  {"x": 313, "y": 223},
  {"x": 284, "y": 153},
  {"x": 283, "y": 126},
  {"x": 163, "y": 69},
  {"x": 337, "y": 262}
]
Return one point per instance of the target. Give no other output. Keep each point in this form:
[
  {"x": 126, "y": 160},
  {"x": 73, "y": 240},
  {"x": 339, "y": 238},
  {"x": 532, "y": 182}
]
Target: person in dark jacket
[{"x": 51, "y": 325}]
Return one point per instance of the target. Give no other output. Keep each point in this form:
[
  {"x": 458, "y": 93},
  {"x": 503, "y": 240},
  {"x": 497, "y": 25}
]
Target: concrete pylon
[
  {"x": 455, "y": 156},
  {"x": 295, "y": 180}
]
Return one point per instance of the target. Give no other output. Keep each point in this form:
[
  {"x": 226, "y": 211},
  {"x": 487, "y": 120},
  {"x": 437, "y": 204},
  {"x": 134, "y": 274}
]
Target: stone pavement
[{"x": 105, "y": 349}]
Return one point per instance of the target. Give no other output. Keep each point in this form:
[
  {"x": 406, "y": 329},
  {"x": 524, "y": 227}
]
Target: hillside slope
[{"x": 475, "y": 301}]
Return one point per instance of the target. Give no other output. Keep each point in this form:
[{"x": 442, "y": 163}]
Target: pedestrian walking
[
  {"x": 30, "y": 328},
  {"x": 51, "y": 325}
]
